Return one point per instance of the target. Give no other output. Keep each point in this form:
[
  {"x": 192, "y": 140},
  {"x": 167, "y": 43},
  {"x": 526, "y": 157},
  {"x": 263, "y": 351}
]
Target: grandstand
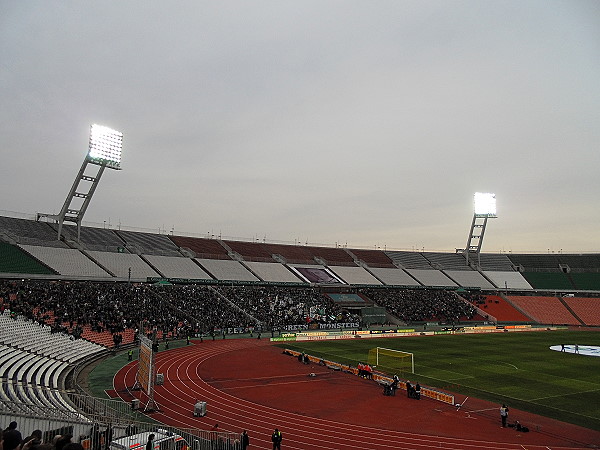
[
  {"x": 530, "y": 288},
  {"x": 104, "y": 253},
  {"x": 35, "y": 361},
  {"x": 499, "y": 307},
  {"x": 550, "y": 310},
  {"x": 65, "y": 302}
]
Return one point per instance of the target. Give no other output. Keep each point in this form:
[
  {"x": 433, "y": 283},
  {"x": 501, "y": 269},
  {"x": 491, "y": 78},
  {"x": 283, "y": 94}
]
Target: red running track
[{"x": 249, "y": 384}]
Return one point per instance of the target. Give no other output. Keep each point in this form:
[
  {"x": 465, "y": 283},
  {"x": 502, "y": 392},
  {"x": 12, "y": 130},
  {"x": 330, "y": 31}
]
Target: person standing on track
[
  {"x": 394, "y": 385},
  {"x": 245, "y": 440},
  {"x": 150, "y": 443},
  {"x": 276, "y": 439},
  {"x": 504, "y": 414}
]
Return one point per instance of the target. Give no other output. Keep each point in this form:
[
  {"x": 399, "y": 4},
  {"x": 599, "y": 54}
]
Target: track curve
[{"x": 248, "y": 384}]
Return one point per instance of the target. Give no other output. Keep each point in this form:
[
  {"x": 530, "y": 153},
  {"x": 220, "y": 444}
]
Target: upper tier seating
[
  {"x": 332, "y": 256},
  {"x": 428, "y": 277},
  {"x": 447, "y": 261},
  {"x": 579, "y": 261},
  {"x": 250, "y": 251},
  {"x": 148, "y": 243},
  {"x": 202, "y": 248},
  {"x": 546, "y": 310},
  {"x": 222, "y": 269},
  {"x": 373, "y": 258},
  {"x": 314, "y": 273},
  {"x": 394, "y": 276},
  {"x": 15, "y": 260},
  {"x": 51, "y": 258},
  {"x": 67, "y": 261},
  {"x": 469, "y": 278},
  {"x": 548, "y": 280},
  {"x": 307, "y": 254},
  {"x": 174, "y": 267},
  {"x": 99, "y": 239},
  {"x": 120, "y": 265},
  {"x": 535, "y": 261},
  {"x": 273, "y": 272},
  {"x": 30, "y": 232},
  {"x": 495, "y": 262},
  {"x": 292, "y": 253},
  {"x": 354, "y": 275},
  {"x": 586, "y": 281},
  {"x": 508, "y": 280},
  {"x": 587, "y": 309},
  {"x": 409, "y": 260}
]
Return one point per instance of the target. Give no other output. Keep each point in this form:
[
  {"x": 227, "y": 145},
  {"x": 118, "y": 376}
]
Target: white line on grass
[{"x": 563, "y": 395}]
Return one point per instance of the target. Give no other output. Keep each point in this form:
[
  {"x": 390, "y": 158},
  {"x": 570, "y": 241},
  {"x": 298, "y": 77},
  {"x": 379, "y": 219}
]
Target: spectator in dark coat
[{"x": 11, "y": 437}]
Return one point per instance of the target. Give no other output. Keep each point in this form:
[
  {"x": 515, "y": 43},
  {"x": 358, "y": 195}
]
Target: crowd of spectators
[
  {"x": 277, "y": 306},
  {"x": 475, "y": 298},
  {"x": 412, "y": 305},
  {"x": 184, "y": 310},
  {"x": 203, "y": 308},
  {"x": 70, "y": 305},
  {"x": 13, "y": 440},
  {"x": 174, "y": 310}
]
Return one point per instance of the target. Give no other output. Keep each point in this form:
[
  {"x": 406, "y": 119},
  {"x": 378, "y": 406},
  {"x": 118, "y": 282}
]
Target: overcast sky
[{"x": 366, "y": 123}]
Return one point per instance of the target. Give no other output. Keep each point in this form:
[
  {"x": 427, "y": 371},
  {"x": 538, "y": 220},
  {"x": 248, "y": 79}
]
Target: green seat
[{"x": 15, "y": 260}]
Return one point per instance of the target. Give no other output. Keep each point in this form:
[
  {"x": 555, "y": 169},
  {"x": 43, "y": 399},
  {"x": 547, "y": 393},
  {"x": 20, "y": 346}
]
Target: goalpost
[{"x": 394, "y": 360}]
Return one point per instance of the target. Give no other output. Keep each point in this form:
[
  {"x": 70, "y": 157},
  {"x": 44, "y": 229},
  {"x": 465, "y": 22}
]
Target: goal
[{"x": 392, "y": 360}]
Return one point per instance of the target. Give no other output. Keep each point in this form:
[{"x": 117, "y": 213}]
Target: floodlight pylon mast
[
  {"x": 475, "y": 240},
  {"x": 104, "y": 151},
  {"x": 484, "y": 208},
  {"x": 72, "y": 214}
]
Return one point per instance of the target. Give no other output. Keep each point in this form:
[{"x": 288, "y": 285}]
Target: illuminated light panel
[
  {"x": 485, "y": 204},
  {"x": 105, "y": 146}
]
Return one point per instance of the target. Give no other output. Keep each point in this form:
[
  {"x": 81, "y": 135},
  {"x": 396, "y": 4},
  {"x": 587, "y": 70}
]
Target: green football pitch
[{"x": 514, "y": 368}]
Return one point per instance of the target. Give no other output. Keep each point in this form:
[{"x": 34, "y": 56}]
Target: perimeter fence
[{"x": 96, "y": 422}]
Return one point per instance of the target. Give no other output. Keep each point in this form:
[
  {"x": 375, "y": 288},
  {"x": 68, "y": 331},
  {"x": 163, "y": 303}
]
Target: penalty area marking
[{"x": 511, "y": 365}]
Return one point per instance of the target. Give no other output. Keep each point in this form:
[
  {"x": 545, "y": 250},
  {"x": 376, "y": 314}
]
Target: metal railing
[{"x": 95, "y": 422}]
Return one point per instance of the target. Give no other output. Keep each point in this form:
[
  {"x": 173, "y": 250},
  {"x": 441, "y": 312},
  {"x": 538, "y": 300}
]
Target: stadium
[
  {"x": 109, "y": 335},
  {"x": 302, "y": 126}
]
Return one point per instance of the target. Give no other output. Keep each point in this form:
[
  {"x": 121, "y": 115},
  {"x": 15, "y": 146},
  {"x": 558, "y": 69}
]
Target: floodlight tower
[
  {"x": 104, "y": 151},
  {"x": 484, "y": 207}
]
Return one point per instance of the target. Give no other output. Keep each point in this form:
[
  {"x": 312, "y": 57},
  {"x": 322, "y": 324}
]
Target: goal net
[{"x": 394, "y": 361}]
